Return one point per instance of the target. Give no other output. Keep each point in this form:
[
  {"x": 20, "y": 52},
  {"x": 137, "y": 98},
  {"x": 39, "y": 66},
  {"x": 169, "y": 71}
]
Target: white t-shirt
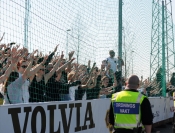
[
  {"x": 1, "y": 88},
  {"x": 25, "y": 90},
  {"x": 84, "y": 96},
  {"x": 113, "y": 62},
  {"x": 72, "y": 92}
]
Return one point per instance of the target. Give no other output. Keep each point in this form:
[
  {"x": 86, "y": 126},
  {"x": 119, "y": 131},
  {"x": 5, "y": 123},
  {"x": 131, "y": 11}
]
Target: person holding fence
[
  {"x": 112, "y": 61},
  {"x": 115, "y": 67},
  {"x": 130, "y": 109}
]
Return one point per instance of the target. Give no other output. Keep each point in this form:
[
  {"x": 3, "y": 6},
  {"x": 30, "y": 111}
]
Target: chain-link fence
[{"x": 90, "y": 29}]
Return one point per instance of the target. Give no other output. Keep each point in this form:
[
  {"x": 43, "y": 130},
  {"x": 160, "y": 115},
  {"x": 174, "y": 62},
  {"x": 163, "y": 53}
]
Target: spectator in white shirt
[
  {"x": 112, "y": 61},
  {"x": 21, "y": 66}
]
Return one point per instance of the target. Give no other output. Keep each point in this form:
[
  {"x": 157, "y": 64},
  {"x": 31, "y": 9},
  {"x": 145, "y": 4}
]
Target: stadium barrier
[
  {"x": 85, "y": 116},
  {"x": 162, "y": 108}
]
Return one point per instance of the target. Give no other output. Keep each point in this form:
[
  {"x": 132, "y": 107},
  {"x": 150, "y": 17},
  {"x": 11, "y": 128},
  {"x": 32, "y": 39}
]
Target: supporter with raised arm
[
  {"x": 7, "y": 74},
  {"x": 15, "y": 57},
  {"x": 57, "y": 89},
  {"x": 51, "y": 56},
  {"x": 94, "y": 87},
  {"x": 65, "y": 70},
  {"x": 62, "y": 73},
  {"x": 37, "y": 89},
  {"x": 84, "y": 90},
  {"x": 74, "y": 81},
  {"x": 50, "y": 84},
  {"x": 21, "y": 66},
  {"x": 103, "y": 69},
  {"x": 106, "y": 89},
  {"x": 13, "y": 85}
]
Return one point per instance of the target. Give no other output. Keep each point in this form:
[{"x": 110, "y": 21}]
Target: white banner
[
  {"x": 87, "y": 116},
  {"x": 56, "y": 117},
  {"x": 161, "y": 108},
  {"x": 170, "y": 109}
]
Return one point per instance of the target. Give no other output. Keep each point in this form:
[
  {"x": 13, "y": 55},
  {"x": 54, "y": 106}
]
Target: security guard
[{"x": 130, "y": 109}]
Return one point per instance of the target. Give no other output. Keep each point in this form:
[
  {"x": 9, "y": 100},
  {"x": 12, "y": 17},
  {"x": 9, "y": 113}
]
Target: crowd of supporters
[{"x": 33, "y": 77}]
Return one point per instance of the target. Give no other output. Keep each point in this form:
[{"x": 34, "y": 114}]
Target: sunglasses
[
  {"x": 42, "y": 69},
  {"x": 24, "y": 66}
]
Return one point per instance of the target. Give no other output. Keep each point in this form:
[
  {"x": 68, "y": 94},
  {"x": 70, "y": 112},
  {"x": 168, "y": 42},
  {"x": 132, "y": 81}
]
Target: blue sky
[
  {"x": 93, "y": 25},
  {"x": 173, "y": 9}
]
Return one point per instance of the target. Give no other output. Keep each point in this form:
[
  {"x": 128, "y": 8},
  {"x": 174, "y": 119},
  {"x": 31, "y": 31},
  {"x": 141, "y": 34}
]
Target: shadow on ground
[{"x": 163, "y": 129}]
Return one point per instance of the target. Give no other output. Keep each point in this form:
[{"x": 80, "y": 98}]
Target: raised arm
[
  {"x": 15, "y": 58},
  {"x": 62, "y": 68},
  {"x": 83, "y": 79},
  {"x": 68, "y": 69},
  {"x": 74, "y": 77},
  {"x": 101, "y": 70},
  {"x": 37, "y": 67},
  {"x": 4, "y": 68},
  {"x": 7, "y": 73},
  {"x": 86, "y": 85},
  {"x": 90, "y": 78},
  {"x": 89, "y": 66},
  {"x": 51, "y": 56},
  {"x": 107, "y": 69},
  {"x": 2, "y": 36},
  {"x": 94, "y": 82},
  {"x": 55, "y": 67},
  {"x": 105, "y": 91},
  {"x": 27, "y": 70}
]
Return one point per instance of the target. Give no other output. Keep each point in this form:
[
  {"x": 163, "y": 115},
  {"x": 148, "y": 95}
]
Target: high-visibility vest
[
  {"x": 173, "y": 97},
  {"x": 1, "y": 101},
  {"x": 126, "y": 108}
]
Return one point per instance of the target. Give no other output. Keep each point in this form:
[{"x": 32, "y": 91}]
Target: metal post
[
  {"x": 78, "y": 46},
  {"x": 132, "y": 63},
  {"x": 26, "y": 23},
  {"x": 120, "y": 31},
  {"x": 125, "y": 64},
  {"x": 125, "y": 50},
  {"x": 163, "y": 53},
  {"x": 166, "y": 34},
  {"x": 67, "y": 42}
]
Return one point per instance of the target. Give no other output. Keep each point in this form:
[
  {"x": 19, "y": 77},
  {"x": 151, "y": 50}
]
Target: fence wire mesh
[{"x": 90, "y": 28}]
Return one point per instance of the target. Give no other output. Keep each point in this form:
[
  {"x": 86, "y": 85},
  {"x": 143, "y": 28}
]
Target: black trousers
[
  {"x": 126, "y": 132},
  {"x": 174, "y": 123},
  {"x": 120, "y": 130}
]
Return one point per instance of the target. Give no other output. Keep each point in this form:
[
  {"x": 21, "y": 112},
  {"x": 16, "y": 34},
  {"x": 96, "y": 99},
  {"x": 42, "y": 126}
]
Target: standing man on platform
[
  {"x": 116, "y": 67},
  {"x": 112, "y": 61},
  {"x": 115, "y": 63},
  {"x": 130, "y": 109}
]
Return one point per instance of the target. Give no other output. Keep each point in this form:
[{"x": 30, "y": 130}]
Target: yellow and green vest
[{"x": 126, "y": 108}]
